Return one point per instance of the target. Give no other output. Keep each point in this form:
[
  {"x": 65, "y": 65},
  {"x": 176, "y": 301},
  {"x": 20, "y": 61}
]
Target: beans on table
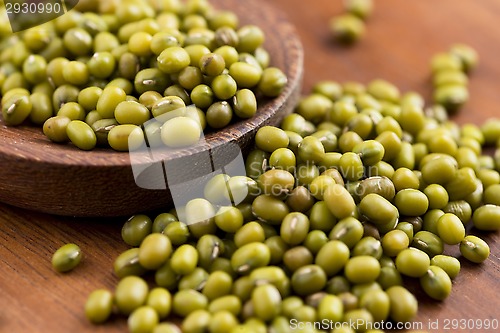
[{"x": 360, "y": 185}]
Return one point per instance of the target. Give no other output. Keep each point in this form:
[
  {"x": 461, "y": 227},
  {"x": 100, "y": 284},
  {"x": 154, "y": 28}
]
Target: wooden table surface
[{"x": 401, "y": 37}]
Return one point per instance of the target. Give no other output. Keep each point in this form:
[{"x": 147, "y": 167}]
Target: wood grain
[
  {"x": 101, "y": 182},
  {"x": 401, "y": 37}
]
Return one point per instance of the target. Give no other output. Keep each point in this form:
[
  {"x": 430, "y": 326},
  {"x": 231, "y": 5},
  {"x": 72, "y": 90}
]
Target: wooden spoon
[{"x": 61, "y": 179}]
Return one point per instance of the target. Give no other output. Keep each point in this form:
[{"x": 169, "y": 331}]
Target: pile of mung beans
[
  {"x": 163, "y": 71},
  {"x": 360, "y": 187}
]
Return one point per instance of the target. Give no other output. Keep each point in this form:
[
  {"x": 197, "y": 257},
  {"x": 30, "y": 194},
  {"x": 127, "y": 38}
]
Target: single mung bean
[
  {"x": 460, "y": 208},
  {"x": 474, "y": 249},
  {"x": 129, "y": 112},
  {"x": 369, "y": 246},
  {"x": 111, "y": 96},
  {"x": 487, "y": 217},
  {"x": 130, "y": 293},
  {"x": 272, "y": 82},
  {"x": 428, "y": 242},
  {"x": 378, "y": 209},
  {"x": 362, "y": 269},
  {"x": 450, "y": 265},
  {"x": 154, "y": 251},
  {"x": 321, "y": 218},
  {"x": 229, "y": 219},
  {"x": 450, "y": 229},
  {"x": 99, "y": 306},
  {"x": 223, "y": 321},
  {"x": 267, "y": 302},
  {"x": 187, "y": 301},
  {"x": 297, "y": 257},
  {"x": 377, "y": 302},
  {"x": 160, "y": 299},
  {"x": 177, "y": 232},
  {"x": 249, "y": 233},
  {"x": 332, "y": 249},
  {"x": 403, "y": 304},
  {"x": 294, "y": 228},
  {"x": 349, "y": 230},
  {"x": 463, "y": 184},
  {"x": 143, "y": 320},
  {"x": 310, "y": 149},
  {"x": 347, "y": 28},
  {"x": 389, "y": 277},
  {"x": 66, "y": 258},
  {"x": 270, "y": 209},
  {"x": 412, "y": 262},
  {"x": 127, "y": 263},
  {"x": 224, "y": 86},
  {"x": 244, "y": 103},
  {"x": 339, "y": 201},
  {"x": 411, "y": 202},
  {"x": 218, "y": 284},
  {"x": 229, "y": 303},
  {"x": 195, "y": 280},
  {"x": 16, "y": 109},
  {"x": 180, "y": 132},
  {"x": 173, "y": 60},
  {"x": 55, "y": 128},
  {"x": 184, "y": 259},
  {"x": 270, "y": 138},
  {"x": 250, "y": 256},
  {"x": 362, "y": 316},
  {"x": 136, "y": 229},
  {"x": 394, "y": 242},
  {"x": 437, "y": 195},
  {"x": 351, "y": 166},
  {"x": 436, "y": 283},
  {"x": 308, "y": 280},
  {"x": 250, "y": 38},
  {"x": 467, "y": 55},
  {"x": 209, "y": 248}
]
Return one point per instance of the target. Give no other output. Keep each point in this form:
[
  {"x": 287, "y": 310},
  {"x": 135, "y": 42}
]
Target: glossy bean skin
[
  {"x": 66, "y": 258},
  {"x": 339, "y": 201},
  {"x": 250, "y": 256},
  {"x": 131, "y": 293},
  {"x": 436, "y": 283},
  {"x": 336, "y": 249},
  {"x": 184, "y": 259},
  {"x": 154, "y": 251},
  {"x": 160, "y": 299},
  {"x": 403, "y": 306},
  {"x": 378, "y": 209},
  {"x": 362, "y": 269},
  {"x": 267, "y": 302},
  {"x": 449, "y": 264},
  {"x": 99, "y": 306},
  {"x": 308, "y": 280},
  {"x": 474, "y": 249},
  {"x": 127, "y": 263},
  {"x": 487, "y": 217},
  {"x": 187, "y": 301},
  {"x": 450, "y": 229},
  {"x": 412, "y": 262},
  {"x": 136, "y": 229},
  {"x": 81, "y": 135},
  {"x": 294, "y": 228},
  {"x": 143, "y": 319}
]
